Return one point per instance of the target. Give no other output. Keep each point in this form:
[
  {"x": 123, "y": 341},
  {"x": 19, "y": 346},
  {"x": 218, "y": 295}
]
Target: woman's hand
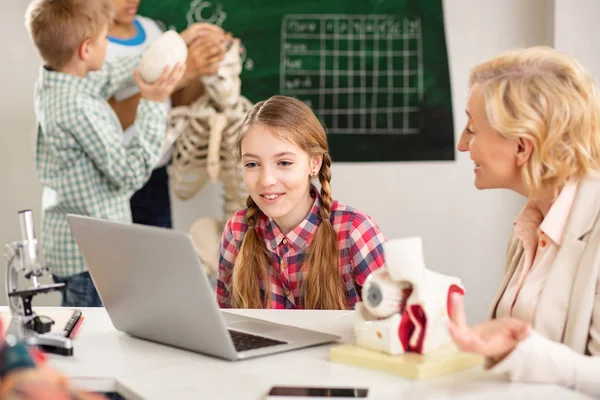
[{"x": 494, "y": 339}]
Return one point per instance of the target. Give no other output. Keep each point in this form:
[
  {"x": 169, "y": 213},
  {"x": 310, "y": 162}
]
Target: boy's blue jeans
[{"x": 79, "y": 291}]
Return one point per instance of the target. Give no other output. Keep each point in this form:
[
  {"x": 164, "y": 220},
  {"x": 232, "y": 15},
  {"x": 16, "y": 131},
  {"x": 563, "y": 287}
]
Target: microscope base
[{"x": 52, "y": 343}]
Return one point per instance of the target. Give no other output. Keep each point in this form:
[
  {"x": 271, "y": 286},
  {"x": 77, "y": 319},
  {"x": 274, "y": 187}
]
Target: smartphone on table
[{"x": 307, "y": 392}]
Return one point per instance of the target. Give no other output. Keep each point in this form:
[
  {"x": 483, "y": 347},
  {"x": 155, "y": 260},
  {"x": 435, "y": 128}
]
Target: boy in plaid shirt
[
  {"x": 80, "y": 159},
  {"x": 293, "y": 247}
]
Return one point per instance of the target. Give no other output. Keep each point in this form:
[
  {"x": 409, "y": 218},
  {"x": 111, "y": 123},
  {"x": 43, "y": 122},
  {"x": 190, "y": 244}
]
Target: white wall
[
  {"x": 576, "y": 31},
  {"x": 464, "y": 230},
  {"x": 19, "y": 186}
]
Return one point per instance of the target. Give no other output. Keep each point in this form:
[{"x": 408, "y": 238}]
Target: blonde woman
[
  {"x": 293, "y": 246},
  {"x": 534, "y": 128}
]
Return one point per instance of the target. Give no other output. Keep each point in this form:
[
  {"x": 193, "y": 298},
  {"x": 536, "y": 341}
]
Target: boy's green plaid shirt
[{"x": 80, "y": 158}]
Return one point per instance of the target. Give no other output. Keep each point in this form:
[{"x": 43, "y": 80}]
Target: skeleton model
[
  {"x": 205, "y": 148},
  {"x": 405, "y": 306}
]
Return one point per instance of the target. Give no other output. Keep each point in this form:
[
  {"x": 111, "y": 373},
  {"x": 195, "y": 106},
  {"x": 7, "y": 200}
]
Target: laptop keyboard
[{"x": 245, "y": 341}]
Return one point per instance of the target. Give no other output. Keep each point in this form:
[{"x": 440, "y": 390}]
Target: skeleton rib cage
[{"x": 204, "y": 136}]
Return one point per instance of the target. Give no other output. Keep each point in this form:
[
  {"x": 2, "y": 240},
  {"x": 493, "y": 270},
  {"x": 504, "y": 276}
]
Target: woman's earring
[{"x": 314, "y": 174}]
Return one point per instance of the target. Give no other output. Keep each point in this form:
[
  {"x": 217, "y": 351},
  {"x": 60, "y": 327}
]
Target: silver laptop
[{"x": 153, "y": 286}]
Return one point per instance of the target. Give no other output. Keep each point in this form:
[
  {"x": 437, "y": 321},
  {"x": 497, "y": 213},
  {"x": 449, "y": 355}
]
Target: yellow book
[{"x": 445, "y": 360}]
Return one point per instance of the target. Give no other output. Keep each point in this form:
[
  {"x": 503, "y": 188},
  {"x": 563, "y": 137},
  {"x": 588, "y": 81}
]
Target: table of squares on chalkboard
[{"x": 360, "y": 73}]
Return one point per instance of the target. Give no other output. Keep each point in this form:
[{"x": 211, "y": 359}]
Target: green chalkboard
[{"x": 374, "y": 71}]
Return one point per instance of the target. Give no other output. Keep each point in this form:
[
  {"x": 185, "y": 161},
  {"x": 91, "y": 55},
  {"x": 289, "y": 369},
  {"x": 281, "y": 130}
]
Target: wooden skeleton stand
[{"x": 205, "y": 148}]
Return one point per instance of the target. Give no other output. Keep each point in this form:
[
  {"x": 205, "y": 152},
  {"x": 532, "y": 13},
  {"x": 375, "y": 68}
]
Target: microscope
[{"x": 25, "y": 324}]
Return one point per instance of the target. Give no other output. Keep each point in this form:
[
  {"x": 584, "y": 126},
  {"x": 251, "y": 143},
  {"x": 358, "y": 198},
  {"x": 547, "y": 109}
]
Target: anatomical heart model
[
  {"x": 405, "y": 306},
  {"x": 205, "y": 148}
]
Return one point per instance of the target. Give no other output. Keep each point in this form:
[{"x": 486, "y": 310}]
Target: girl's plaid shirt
[{"x": 359, "y": 244}]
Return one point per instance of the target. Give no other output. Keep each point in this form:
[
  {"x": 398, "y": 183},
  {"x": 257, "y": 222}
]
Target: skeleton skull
[
  {"x": 225, "y": 85},
  {"x": 405, "y": 305},
  {"x": 168, "y": 50}
]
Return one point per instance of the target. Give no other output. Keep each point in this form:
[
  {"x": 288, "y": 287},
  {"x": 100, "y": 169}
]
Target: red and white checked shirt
[{"x": 359, "y": 244}]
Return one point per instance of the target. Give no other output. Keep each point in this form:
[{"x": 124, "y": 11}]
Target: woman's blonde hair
[
  {"x": 550, "y": 99},
  {"x": 323, "y": 287}
]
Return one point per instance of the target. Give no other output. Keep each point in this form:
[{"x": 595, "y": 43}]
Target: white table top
[{"x": 108, "y": 360}]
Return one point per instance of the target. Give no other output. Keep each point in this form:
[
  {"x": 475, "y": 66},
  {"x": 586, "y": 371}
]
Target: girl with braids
[{"x": 293, "y": 246}]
